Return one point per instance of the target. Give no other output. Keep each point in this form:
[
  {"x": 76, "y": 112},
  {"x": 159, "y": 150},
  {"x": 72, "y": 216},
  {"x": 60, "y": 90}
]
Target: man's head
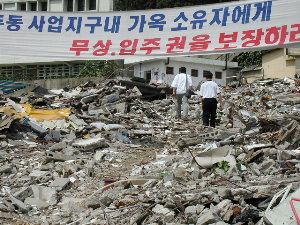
[
  {"x": 208, "y": 76},
  {"x": 182, "y": 70}
]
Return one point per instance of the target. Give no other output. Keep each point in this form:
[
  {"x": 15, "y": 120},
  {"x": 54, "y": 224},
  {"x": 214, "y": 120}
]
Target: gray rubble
[{"x": 122, "y": 158}]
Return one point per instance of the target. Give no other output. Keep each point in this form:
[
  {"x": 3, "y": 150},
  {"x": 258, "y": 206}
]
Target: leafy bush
[
  {"x": 98, "y": 69},
  {"x": 224, "y": 165}
]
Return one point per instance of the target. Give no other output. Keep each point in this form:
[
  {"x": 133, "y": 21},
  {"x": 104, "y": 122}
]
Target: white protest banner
[{"x": 204, "y": 29}]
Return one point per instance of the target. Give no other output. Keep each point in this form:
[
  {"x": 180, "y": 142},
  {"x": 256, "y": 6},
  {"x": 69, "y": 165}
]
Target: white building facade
[
  {"x": 27, "y": 68},
  {"x": 163, "y": 70}
]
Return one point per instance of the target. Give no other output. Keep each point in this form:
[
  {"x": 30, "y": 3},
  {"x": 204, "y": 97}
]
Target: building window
[
  {"x": 148, "y": 75},
  {"x": 194, "y": 73},
  {"x": 33, "y": 6},
  {"x": 169, "y": 70},
  {"x": 9, "y": 6},
  {"x": 0, "y": 6},
  {"x": 70, "y": 5},
  {"x": 92, "y": 4},
  {"x": 43, "y": 6},
  {"x": 206, "y": 72},
  {"x": 22, "y": 6},
  {"x": 80, "y": 5},
  {"x": 218, "y": 75}
]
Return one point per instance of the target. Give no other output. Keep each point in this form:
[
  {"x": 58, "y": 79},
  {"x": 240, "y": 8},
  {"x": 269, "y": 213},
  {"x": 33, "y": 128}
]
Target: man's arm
[
  {"x": 201, "y": 93},
  {"x": 174, "y": 85},
  {"x": 190, "y": 83},
  {"x": 174, "y": 91}
]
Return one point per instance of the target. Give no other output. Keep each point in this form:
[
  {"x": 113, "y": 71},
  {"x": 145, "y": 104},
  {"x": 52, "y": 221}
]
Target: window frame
[
  {"x": 205, "y": 72},
  {"x": 170, "y": 67},
  {"x": 217, "y": 77},
  {"x": 95, "y": 1},
  {"x": 194, "y": 70},
  {"x": 81, "y": 3}
]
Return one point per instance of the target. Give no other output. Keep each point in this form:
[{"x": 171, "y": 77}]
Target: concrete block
[
  {"x": 60, "y": 183},
  {"x": 17, "y": 204},
  {"x": 267, "y": 165},
  {"x": 135, "y": 92},
  {"x": 38, "y": 173},
  {"x": 53, "y": 156},
  {"x": 207, "y": 217},
  {"x": 99, "y": 156},
  {"x": 169, "y": 177},
  {"x": 96, "y": 202},
  {"x": 224, "y": 192},
  {"x": 46, "y": 194},
  {"x": 160, "y": 209},
  {"x": 41, "y": 176},
  {"x": 6, "y": 168},
  {"x": 113, "y": 127},
  {"x": 55, "y": 135},
  {"x": 110, "y": 98},
  {"x": 90, "y": 144},
  {"x": 34, "y": 126},
  {"x": 225, "y": 209},
  {"x": 167, "y": 214},
  {"x": 220, "y": 223},
  {"x": 89, "y": 98},
  {"x": 190, "y": 210},
  {"x": 78, "y": 122},
  {"x": 70, "y": 137},
  {"x": 35, "y": 202},
  {"x": 23, "y": 193},
  {"x": 98, "y": 125},
  {"x": 70, "y": 205},
  {"x": 255, "y": 169},
  {"x": 121, "y": 107},
  {"x": 59, "y": 146}
]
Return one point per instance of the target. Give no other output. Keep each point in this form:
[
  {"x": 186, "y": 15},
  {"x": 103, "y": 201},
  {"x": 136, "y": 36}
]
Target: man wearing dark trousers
[{"x": 209, "y": 92}]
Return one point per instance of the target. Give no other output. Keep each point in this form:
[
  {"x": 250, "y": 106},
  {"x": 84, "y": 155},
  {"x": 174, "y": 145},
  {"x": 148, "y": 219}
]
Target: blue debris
[{"x": 8, "y": 87}]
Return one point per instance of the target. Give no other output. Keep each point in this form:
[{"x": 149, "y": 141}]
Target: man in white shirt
[
  {"x": 209, "y": 92},
  {"x": 181, "y": 83}
]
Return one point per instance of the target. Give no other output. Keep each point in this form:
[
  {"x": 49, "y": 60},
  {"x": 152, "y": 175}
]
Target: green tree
[
  {"x": 98, "y": 69},
  {"x": 246, "y": 59}
]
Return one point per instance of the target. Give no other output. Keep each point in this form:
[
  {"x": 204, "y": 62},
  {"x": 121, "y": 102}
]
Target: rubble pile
[{"x": 105, "y": 154}]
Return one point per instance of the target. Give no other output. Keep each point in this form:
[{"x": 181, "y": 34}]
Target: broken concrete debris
[{"x": 117, "y": 155}]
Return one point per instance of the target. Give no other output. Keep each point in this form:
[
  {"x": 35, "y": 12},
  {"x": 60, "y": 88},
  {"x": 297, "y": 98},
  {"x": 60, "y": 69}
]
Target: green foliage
[
  {"x": 164, "y": 174},
  {"x": 158, "y": 4},
  {"x": 246, "y": 59},
  {"x": 224, "y": 165},
  {"x": 98, "y": 69}
]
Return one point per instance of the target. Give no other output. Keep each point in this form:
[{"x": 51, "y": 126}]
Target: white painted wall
[
  {"x": 106, "y": 5},
  {"x": 298, "y": 65},
  {"x": 56, "y": 6},
  {"x": 140, "y": 69},
  {"x": 160, "y": 66}
]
